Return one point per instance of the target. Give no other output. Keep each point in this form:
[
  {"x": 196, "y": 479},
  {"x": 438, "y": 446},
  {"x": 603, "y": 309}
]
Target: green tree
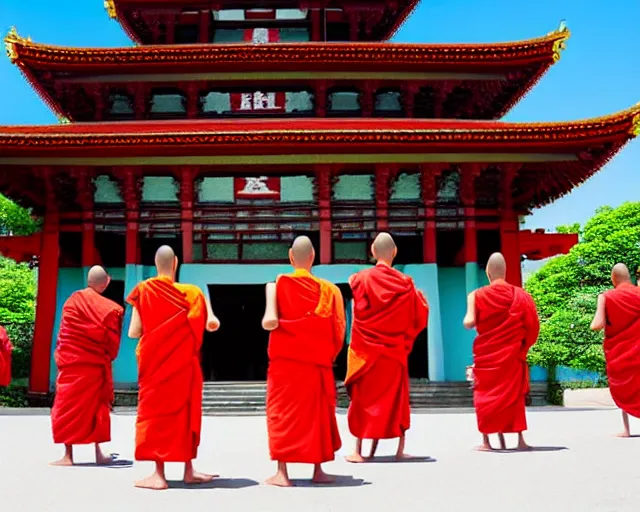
[
  {"x": 15, "y": 220},
  {"x": 566, "y": 288},
  {"x": 569, "y": 228}
]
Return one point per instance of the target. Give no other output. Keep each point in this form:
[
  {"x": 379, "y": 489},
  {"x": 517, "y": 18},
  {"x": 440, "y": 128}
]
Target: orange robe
[
  {"x": 507, "y": 325},
  {"x": 5, "y": 358},
  {"x": 622, "y": 346},
  {"x": 169, "y": 417},
  {"x": 88, "y": 342},
  {"x": 301, "y": 391},
  {"x": 388, "y": 315}
]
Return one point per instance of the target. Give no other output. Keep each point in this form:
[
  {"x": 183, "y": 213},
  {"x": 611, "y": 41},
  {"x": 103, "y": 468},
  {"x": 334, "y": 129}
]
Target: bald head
[
  {"x": 166, "y": 262},
  {"x": 496, "y": 267},
  {"x": 98, "y": 279},
  {"x": 302, "y": 253},
  {"x": 384, "y": 248},
  {"x": 620, "y": 274}
]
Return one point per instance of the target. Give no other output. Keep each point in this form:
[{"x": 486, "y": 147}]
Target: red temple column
[
  {"x": 409, "y": 92},
  {"x": 47, "y": 295},
  {"x": 131, "y": 196},
  {"x": 469, "y": 172},
  {"x": 203, "y": 28},
  {"x": 429, "y": 174},
  {"x": 320, "y": 99},
  {"x": 323, "y": 188},
  {"x": 510, "y": 228},
  {"x": 85, "y": 194},
  {"x": 384, "y": 176},
  {"x": 187, "y": 181},
  {"x": 317, "y": 27}
]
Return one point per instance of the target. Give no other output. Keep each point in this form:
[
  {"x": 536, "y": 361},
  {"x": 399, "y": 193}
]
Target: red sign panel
[
  {"x": 257, "y": 187},
  {"x": 262, "y": 102}
]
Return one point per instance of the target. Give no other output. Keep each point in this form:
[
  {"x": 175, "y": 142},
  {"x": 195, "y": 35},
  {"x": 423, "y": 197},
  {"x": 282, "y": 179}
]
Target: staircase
[{"x": 248, "y": 398}]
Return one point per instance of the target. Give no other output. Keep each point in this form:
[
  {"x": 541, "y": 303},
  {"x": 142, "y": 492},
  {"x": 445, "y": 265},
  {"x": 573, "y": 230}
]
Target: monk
[
  {"x": 306, "y": 318},
  {"x": 5, "y": 358},
  {"x": 618, "y": 313},
  {"x": 170, "y": 320},
  {"x": 388, "y": 314},
  {"x": 507, "y": 326},
  {"x": 88, "y": 342}
]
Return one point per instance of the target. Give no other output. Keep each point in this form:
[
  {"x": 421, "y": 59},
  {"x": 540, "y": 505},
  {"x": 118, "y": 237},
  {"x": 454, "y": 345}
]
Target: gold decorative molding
[
  {"x": 635, "y": 123},
  {"x": 110, "y": 6},
  {"x": 10, "y": 41}
]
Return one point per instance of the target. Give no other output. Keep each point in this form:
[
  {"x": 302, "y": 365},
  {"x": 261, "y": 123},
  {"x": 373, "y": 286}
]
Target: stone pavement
[{"x": 580, "y": 466}]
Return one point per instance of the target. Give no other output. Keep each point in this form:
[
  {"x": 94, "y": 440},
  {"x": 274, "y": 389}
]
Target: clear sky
[{"x": 598, "y": 74}]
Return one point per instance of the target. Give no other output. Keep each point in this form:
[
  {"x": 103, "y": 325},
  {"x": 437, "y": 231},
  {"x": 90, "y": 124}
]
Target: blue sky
[{"x": 598, "y": 74}]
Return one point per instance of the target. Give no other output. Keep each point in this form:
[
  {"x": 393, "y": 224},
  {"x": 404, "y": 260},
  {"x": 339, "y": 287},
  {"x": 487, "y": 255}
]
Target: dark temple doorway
[
  {"x": 340, "y": 365},
  {"x": 238, "y": 350},
  {"x": 115, "y": 292}
]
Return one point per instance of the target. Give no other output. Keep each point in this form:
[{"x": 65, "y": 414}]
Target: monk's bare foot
[
  {"x": 63, "y": 462},
  {"x": 355, "y": 458},
  {"x": 154, "y": 482},
  {"x": 279, "y": 480},
  {"x": 198, "y": 478},
  {"x": 523, "y": 447},
  {"x": 623, "y": 434},
  {"x": 104, "y": 460},
  {"x": 320, "y": 477},
  {"x": 483, "y": 448},
  {"x": 399, "y": 457}
]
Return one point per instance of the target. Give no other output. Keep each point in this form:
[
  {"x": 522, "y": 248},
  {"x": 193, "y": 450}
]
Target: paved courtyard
[{"x": 579, "y": 466}]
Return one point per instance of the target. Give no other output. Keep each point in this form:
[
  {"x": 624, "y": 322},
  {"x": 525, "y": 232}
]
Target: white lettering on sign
[
  {"x": 260, "y": 36},
  {"x": 257, "y": 185},
  {"x": 258, "y": 101}
]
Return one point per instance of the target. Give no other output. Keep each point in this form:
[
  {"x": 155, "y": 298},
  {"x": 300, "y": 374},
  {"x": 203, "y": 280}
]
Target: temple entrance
[
  {"x": 115, "y": 291},
  {"x": 238, "y": 351}
]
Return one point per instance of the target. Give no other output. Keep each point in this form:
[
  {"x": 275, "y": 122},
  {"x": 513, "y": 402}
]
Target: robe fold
[
  {"x": 388, "y": 315},
  {"x": 88, "y": 342},
  {"x": 622, "y": 346},
  {"x": 5, "y": 358},
  {"x": 169, "y": 419},
  {"x": 507, "y": 326},
  {"x": 301, "y": 391}
]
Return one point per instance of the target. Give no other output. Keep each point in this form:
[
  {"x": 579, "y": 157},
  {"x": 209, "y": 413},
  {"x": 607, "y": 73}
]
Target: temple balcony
[{"x": 225, "y": 21}]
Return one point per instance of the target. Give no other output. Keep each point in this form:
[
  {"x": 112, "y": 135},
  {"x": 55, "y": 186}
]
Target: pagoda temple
[{"x": 235, "y": 125}]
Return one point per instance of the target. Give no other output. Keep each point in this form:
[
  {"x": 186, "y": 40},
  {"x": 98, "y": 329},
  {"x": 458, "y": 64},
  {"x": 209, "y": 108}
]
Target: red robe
[
  {"x": 507, "y": 325},
  {"x": 622, "y": 346},
  {"x": 88, "y": 342},
  {"x": 301, "y": 391},
  {"x": 5, "y": 358},
  {"x": 389, "y": 313},
  {"x": 169, "y": 376}
]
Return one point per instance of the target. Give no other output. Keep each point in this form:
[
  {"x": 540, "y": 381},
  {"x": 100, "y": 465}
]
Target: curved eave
[
  {"x": 28, "y": 54},
  {"x": 300, "y": 134}
]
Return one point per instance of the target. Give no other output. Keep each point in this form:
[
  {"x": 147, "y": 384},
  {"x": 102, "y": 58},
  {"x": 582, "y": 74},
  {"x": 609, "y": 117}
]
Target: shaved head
[
  {"x": 98, "y": 279},
  {"x": 496, "y": 267},
  {"x": 620, "y": 274},
  {"x": 302, "y": 253},
  {"x": 166, "y": 261},
  {"x": 384, "y": 248}
]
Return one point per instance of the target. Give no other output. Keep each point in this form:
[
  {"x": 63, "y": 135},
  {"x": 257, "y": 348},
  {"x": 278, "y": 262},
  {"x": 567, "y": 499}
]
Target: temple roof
[
  {"x": 552, "y": 158},
  {"x": 495, "y": 76},
  {"x": 130, "y": 13}
]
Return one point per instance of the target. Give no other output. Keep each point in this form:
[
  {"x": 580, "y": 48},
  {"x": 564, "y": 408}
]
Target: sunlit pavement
[{"x": 580, "y": 466}]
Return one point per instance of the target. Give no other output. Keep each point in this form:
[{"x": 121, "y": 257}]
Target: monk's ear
[{"x": 291, "y": 257}]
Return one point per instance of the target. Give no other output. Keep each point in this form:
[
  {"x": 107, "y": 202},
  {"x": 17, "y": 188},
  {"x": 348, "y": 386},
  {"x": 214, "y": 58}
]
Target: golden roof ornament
[
  {"x": 10, "y": 41},
  {"x": 110, "y": 6},
  {"x": 63, "y": 119},
  {"x": 560, "y": 43}
]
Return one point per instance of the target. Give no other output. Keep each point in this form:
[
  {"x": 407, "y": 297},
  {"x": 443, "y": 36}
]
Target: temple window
[
  {"x": 388, "y": 103},
  {"x": 424, "y": 103},
  {"x": 217, "y": 189},
  {"x": 345, "y": 102},
  {"x": 449, "y": 188},
  {"x": 121, "y": 105},
  {"x": 159, "y": 189},
  {"x": 186, "y": 34},
  {"x": 406, "y": 188},
  {"x": 168, "y": 103},
  {"x": 106, "y": 191},
  {"x": 296, "y": 189}
]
